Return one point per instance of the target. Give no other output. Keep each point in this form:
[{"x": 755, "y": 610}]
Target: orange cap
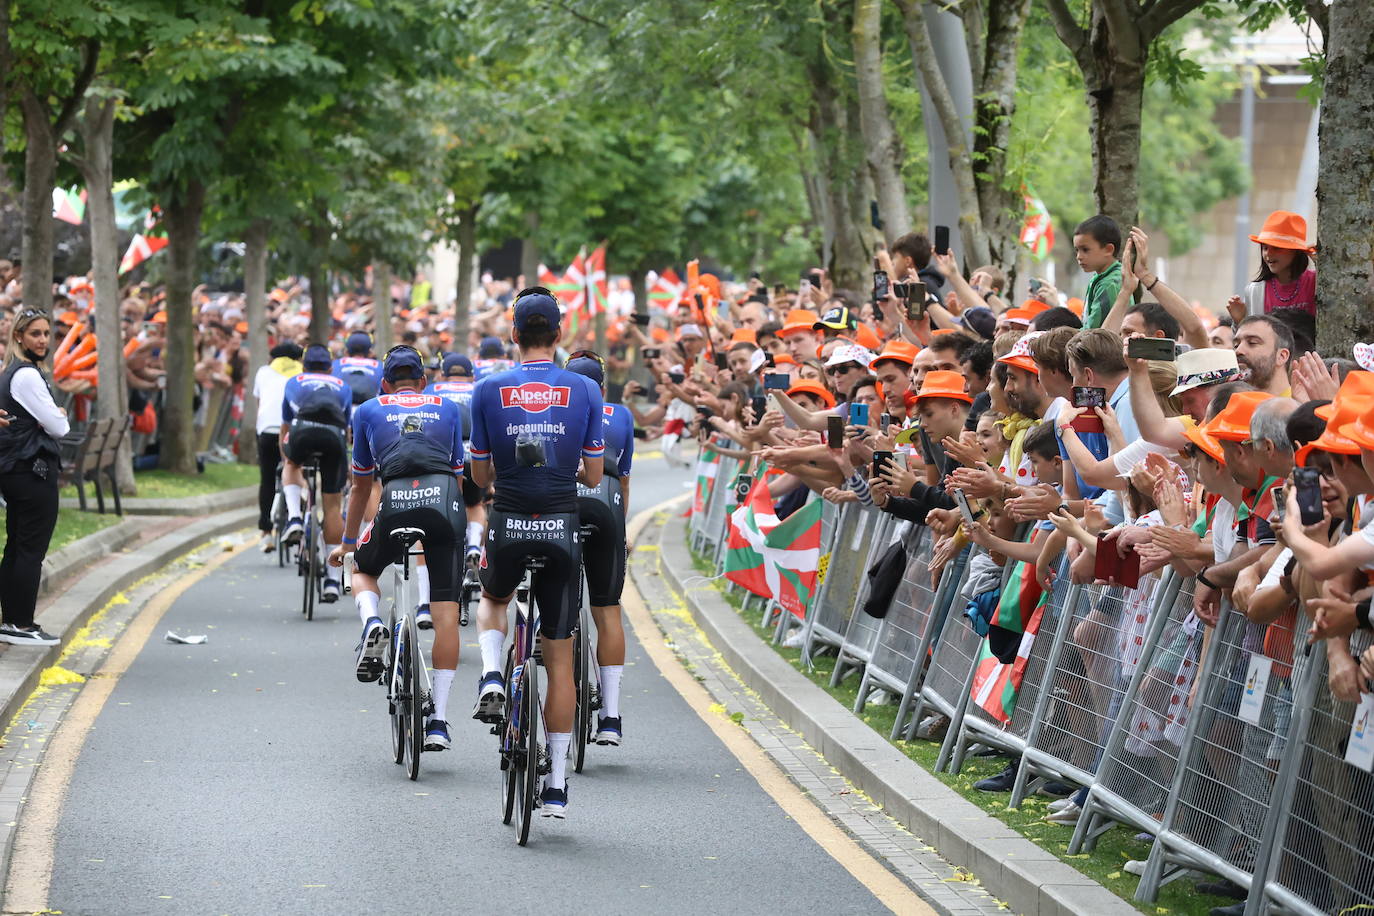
[
  {"x": 1232, "y": 424},
  {"x": 280, "y": 295},
  {"x": 69, "y": 317},
  {"x": 660, "y": 335},
  {"x": 941, "y": 383},
  {"x": 160, "y": 318},
  {"x": 867, "y": 338},
  {"x": 799, "y": 320},
  {"x": 1283, "y": 229},
  {"x": 784, "y": 359},
  {"x": 1200, "y": 437},
  {"x": 899, "y": 350},
  {"x": 1075, "y": 305},
  {"x": 744, "y": 335},
  {"x": 1020, "y": 355},
  {"x": 1355, "y": 397},
  {"x": 710, "y": 283},
  {"x": 810, "y": 386},
  {"x": 938, "y": 331},
  {"x": 241, "y": 327}
]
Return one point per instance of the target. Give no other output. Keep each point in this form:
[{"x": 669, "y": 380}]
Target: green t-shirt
[{"x": 1103, "y": 289}]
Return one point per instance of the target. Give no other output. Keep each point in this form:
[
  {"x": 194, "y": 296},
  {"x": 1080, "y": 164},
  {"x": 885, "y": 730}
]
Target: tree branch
[
  {"x": 79, "y": 87},
  {"x": 1073, "y": 35},
  {"x": 1163, "y": 14},
  {"x": 579, "y": 15},
  {"x": 1124, "y": 24},
  {"x": 1317, "y": 11}
]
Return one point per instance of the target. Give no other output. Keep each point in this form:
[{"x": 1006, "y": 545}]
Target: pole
[
  {"x": 1241, "y": 258},
  {"x": 951, "y": 54}
]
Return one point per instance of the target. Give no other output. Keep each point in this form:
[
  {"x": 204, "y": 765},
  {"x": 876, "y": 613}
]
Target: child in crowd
[
  {"x": 1097, "y": 248},
  {"x": 1285, "y": 279}
]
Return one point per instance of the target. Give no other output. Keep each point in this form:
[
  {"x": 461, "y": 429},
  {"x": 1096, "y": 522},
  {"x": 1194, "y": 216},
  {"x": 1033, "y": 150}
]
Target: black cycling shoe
[
  {"x": 491, "y": 698},
  {"x": 553, "y": 802}
]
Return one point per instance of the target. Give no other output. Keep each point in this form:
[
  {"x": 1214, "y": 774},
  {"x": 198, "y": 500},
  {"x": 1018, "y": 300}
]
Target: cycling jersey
[
  {"x": 481, "y": 368},
  {"x": 535, "y": 423},
  {"x": 620, "y": 439},
  {"x": 601, "y": 510},
  {"x": 407, "y": 433},
  {"x": 318, "y": 397},
  {"x": 362, "y": 374},
  {"x": 459, "y": 391}
]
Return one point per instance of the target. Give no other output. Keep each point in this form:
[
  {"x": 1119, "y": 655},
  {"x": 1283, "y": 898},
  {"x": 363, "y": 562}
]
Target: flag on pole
[
  {"x": 69, "y": 205},
  {"x": 141, "y": 248},
  {"x": 794, "y": 549},
  {"x": 1021, "y": 599},
  {"x": 1037, "y": 232},
  {"x": 597, "y": 290},
  {"x": 708, "y": 465},
  {"x": 995, "y": 683},
  {"x": 744, "y": 550},
  {"x": 665, "y": 289}
]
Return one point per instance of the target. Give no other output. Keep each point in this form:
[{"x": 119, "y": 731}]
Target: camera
[{"x": 743, "y": 484}]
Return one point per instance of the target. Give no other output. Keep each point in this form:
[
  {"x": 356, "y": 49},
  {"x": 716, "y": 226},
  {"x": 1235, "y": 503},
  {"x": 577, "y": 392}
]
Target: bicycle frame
[{"x": 401, "y": 600}]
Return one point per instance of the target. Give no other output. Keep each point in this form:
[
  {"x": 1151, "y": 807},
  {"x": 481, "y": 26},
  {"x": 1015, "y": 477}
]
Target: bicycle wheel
[
  {"x": 529, "y": 783},
  {"x": 394, "y": 680},
  {"x": 415, "y": 701},
  {"x": 582, "y": 713},
  {"x": 312, "y": 561},
  {"x": 507, "y": 731}
]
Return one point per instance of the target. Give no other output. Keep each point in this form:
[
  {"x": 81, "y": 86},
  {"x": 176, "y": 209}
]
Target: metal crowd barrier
[
  {"x": 861, "y": 635},
  {"x": 826, "y": 624},
  {"x": 714, "y": 529}
]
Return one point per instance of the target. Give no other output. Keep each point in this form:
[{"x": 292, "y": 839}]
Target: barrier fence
[{"x": 1224, "y": 744}]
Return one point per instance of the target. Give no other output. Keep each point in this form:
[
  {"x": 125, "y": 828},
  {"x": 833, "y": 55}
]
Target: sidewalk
[
  {"x": 1029, "y": 879},
  {"x": 206, "y": 504}
]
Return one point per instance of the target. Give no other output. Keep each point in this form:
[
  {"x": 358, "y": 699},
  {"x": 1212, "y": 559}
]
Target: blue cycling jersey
[
  {"x": 620, "y": 439},
  {"x": 310, "y": 391},
  {"x": 385, "y": 423},
  {"x": 535, "y": 423},
  {"x": 459, "y": 392},
  {"x": 481, "y": 368},
  {"x": 350, "y": 368}
]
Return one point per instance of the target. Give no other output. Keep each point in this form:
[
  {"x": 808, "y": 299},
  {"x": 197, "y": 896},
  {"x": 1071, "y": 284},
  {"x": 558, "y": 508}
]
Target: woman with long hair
[{"x": 29, "y": 465}]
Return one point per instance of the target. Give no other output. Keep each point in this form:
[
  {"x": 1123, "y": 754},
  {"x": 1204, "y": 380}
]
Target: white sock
[
  {"x": 443, "y": 681},
  {"x": 474, "y": 534},
  {"x": 329, "y": 572},
  {"x": 491, "y": 642},
  {"x": 292, "y": 494},
  {"x": 610, "y": 690},
  {"x": 367, "y": 604},
  {"x": 422, "y": 585},
  {"x": 558, "y": 757}
]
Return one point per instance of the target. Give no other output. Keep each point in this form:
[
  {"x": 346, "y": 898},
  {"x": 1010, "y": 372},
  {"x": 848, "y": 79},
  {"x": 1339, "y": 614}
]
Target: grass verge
[
  {"x": 166, "y": 485},
  {"x": 71, "y": 525},
  {"x": 1104, "y": 864}
]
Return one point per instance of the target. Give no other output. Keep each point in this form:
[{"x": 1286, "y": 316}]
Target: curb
[
  {"x": 1031, "y": 880},
  {"x": 62, "y": 564},
  {"x": 208, "y": 504},
  {"x": 21, "y": 666}
]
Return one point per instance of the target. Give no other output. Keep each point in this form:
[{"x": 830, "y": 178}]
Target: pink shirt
[{"x": 1300, "y": 294}]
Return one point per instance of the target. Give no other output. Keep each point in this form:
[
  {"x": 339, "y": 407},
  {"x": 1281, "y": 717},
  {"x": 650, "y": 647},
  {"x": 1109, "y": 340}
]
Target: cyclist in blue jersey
[
  {"x": 315, "y": 411},
  {"x": 604, "y": 509},
  {"x": 456, "y": 384},
  {"x": 358, "y": 369},
  {"x": 410, "y": 445},
  {"x": 491, "y": 358},
  {"x": 537, "y": 430}
]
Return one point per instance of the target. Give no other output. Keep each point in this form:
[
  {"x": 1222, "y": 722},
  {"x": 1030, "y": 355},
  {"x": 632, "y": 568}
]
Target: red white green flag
[
  {"x": 69, "y": 205},
  {"x": 708, "y": 465},
  {"x": 794, "y": 550},
  {"x": 996, "y": 684},
  {"x": 1021, "y": 599},
  {"x": 598, "y": 293},
  {"x": 665, "y": 289},
  {"x": 745, "y": 561},
  {"x": 1037, "y": 231}
]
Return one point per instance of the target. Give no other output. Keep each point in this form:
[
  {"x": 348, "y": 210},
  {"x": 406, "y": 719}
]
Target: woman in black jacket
[{"x": 29, "y": 465}]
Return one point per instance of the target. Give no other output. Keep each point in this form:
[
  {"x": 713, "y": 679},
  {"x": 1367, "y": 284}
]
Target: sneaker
[
  {"x": 375, "y": 637},
  {"x": 1068, "y": 815},
  {"x": 1002, "y": 782},
  {"x": 608, "y": 731},
  {"x": 1222, "y": 888},
  {"x": 491, "y": 698},
  {"x": 1056, "y": 789},
  {"x": 553, "y": 802},
  {"x": 1060, "y": 804},
  {"x": 424, "y": 620},
  {"x": 267, "y": 543},
  {"x": 933, "y": 728},
  {"x": 436, "y": 736},
  {"x": 330, "y": 593},
  {"x": 294, "y": 529},
  {"x": 26, "y": 636}
]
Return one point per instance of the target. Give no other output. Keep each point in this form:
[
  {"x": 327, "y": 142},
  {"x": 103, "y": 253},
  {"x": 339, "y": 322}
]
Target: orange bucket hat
[
  {"x": 799, "y": 320},
  {"x": 941, "y": 383},
  {"x": 1232, "y": 424},
  {"x": 1199, "y": 436},
  {"x": 744, "y": 335},
  {"x": 1284, "y": 229},
  {"x": 867, "y": 338},
  {"x": 810, "y": 386},
  {"x": 1353, "y": 400}
]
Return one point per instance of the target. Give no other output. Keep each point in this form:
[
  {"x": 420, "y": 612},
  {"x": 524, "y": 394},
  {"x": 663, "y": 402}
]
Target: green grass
[
  {"x": 166, "y": 485},
  {"x": 71, "y": 525},
  {"x": 1103, "y": 864}
]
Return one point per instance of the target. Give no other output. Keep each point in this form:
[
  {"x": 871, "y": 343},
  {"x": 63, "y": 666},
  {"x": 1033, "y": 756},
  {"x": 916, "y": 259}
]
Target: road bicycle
[
  {"x": 404, "y": 675},
  {"x": 309, "y": 560},
  {"x": 279, "y": 521},
  {"x": 524, "y": 759},
  {"x": 586, "y": 678}
]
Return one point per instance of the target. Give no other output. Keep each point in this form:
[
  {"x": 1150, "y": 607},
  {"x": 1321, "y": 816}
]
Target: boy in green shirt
[{"x": 1097, "y": 247}]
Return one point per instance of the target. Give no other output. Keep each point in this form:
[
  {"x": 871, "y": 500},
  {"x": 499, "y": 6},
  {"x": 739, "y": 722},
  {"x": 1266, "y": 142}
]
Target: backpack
[{"x": 321, "y": 405}]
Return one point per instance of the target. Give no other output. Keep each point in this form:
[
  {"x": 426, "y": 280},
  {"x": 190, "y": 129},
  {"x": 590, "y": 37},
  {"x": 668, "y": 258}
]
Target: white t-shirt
[
  {"x": 269, "y": 386},
  {"x": 1224, "y": 534},
  {"x": 28, "y": 388}
]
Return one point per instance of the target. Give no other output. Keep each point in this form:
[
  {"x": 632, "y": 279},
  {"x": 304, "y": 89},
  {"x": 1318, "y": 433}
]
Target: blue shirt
[
  {"x": 459, "y": 392},
  {"x": 304, "y": 386},
  {"x": 553, "y": 411},
  {"x": 349, "y": 368},
  {"x": 379, "y": 425},
  {"x": 481, "y": 368},
  {"x": 620, "y": 439}
]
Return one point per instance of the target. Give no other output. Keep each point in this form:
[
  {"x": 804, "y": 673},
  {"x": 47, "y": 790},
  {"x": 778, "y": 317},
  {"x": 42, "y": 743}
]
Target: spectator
[
  {"x": 1285, "y": 279},
  {"x": 1097, "y": 248}
]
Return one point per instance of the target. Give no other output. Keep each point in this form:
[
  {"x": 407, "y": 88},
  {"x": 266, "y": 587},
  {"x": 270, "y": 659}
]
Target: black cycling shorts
[
  {"x": 603, "y": 549},
  {"x": 558, "y": 586},
  {"x": 324, "y": 444},
  {"x": 473, "y": 495},
  {"x": 431, "y": 503}
]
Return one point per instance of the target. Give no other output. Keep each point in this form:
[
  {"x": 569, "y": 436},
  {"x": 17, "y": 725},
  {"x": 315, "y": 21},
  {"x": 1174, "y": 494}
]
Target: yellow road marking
[
  {"x": 890, "y": 890},
  {"x": 35, "y": 842}
]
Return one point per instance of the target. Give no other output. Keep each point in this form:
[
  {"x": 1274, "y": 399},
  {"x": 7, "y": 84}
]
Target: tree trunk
[
  {"x": 639, "y": 285},
  {"x": 1345, "y": 182},
  {"x": 381, "y": 308},
  {"x": 181, "y": 213},
  {"x": 817, "y": 186},
  {"x": 467, "y": 256},
  {"x": 1115, "y": 100},
  {"x": 40, "y": 169},
  {"x": 321, "y": 316},
  {"x": 994, "y": 107},
  {"x": 529, "y": 250},
  {"x": 97, "y": 169},
  {"x": 881, "y": 141},
  {"x": 254, "y": 296}
]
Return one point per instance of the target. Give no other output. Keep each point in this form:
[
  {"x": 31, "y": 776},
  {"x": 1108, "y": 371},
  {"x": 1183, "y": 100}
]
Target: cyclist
[
  {"x": 456, "y": 384},
  {"x": 358, "y": 369},
  {"x": 491, "y": 358},
  {"x": 531, "y": 426},
  {"x": 603, "y": 553},
  {"x": 315, "y": 410},
  {"x": 411, "y": 444}
]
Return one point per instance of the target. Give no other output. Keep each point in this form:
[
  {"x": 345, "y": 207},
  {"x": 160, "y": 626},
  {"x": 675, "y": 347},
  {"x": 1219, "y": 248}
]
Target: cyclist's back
[{"x": 358, "y": 369}]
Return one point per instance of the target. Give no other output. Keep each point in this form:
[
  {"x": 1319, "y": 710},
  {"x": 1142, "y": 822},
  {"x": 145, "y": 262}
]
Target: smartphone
[
  {"x": 942, "y": 240},
  {"x": 1036, "y": 284},
  {"x": 743, "y": 484},
  {"x": 677, "y": 378},
  {"x": 834, "y": 431},
  {"x": 704, "y": 412},
  {"x": 884, "y": 422},
  {"x": 720, "y": 361},
  {"x": 882, "y": 286},
  {"x": 1280, "y": 503},
  {"x": 1307, "y": 484},
  {"x": 760, "y": 404},
  {"x": 652, "y": 353},
  {"x": 641, "y": 319},
  {"x": 777, "y": 380},
  {"x": 880, "y": 461},
  {"x": 964, "y": 508},
  {"x": 858, "y": 414},
  {"x": 1089, "y": 397},
  {"x": 916, "y": 303},
  {"x": 804, "y": 288},
  {"x": 1151, "y": 348}
]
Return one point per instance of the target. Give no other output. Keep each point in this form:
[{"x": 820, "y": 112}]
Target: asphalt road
[{"x": 252, "y": 775}]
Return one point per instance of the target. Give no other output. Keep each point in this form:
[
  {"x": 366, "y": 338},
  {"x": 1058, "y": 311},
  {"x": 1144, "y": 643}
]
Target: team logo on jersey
[
  {"x": 536, "y": 397},
  {"x": 411, "y": 400},
  {"x": 608, "y": 410}
]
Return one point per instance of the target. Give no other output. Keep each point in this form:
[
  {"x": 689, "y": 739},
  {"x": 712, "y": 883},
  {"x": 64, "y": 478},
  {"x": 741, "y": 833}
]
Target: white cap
[{"x": 850, "y": 353}]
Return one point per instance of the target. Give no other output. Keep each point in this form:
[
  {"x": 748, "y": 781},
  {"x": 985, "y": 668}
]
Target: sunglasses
[
  {"x": 31, "y": 313},
  {"x": 587, "y": 354},
  {"x": 842, "y": 368}
]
